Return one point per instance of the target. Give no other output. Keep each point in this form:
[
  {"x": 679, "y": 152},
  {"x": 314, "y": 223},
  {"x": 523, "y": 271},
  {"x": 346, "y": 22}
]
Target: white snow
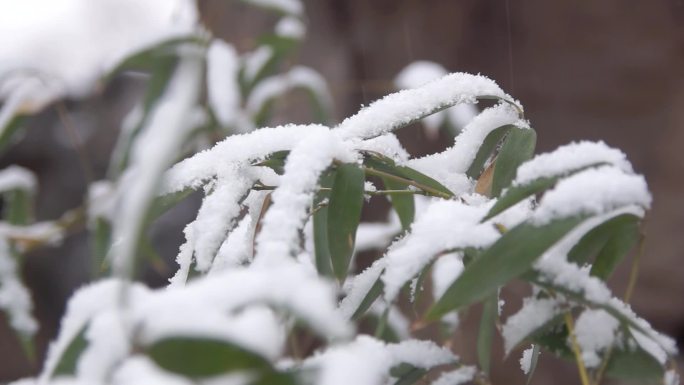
[
  {"x": 456, "y": 377},
  {"x": 223, "y": 89},
  {"x": 203, "y": 166},
  {"x": 366, "y": 361},
  {"x": 67, "y": 45},
  {"x": 153, "y": 151},
  {"x": 581, "y": 194},
  {"x": 15, "y": 298},
  {"x": 291, "y": 27},
  {"x": 568, "y": 158},
  {"x": 278, "y": 85},
  {"x": 595, "y": 331},
  {"x": 534, "y": 313},
  {"x": 356, "y": 287},
  {"x": 526, "y": 360},
  {"x": 446, "y": 269},
  {"x": 17, "y": 178},
  {"x": 421, "y": 72},
  {"x": 292, "y": 7},
  {"x": 449, "y": 167},
  {"x": 279, "y": 236},
  {"x": 445, "y": 225},
  {"x": 398, "y": 109},
  {"x": 101, "y": 200}
]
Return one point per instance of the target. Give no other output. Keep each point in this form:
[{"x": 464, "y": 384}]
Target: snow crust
[
  {"x": 581, "y": 194},
  {"x": 445, "y": 225},
  {"x": 570, "y": 157},
  {"x": 456, "y": 377},
  {"x": 534, "y": 313},
  {"x": 403, "y": 107},
  {"x": 526, "y": 360},
  {"x": 17, "y": 178},
  {"x": 366, "y": 361},
  {"x": 421, "y": 72},
  {"x": 595, "y": 331}
]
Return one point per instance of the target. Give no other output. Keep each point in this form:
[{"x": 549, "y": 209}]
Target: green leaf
[
  {"x": 9, "y": 132},
  {"x": 101, "y": 241},
  {"x": 485, "y": 335},
  {"x": 344, "y": 214},
  {"x": 618, "y": 245},
  {"x": 384, "y": 164},
  {"x": 403, "y": 204},
  {"x": 509, "y": 257},
  {"x": 162, "y": 70},
  {"x": 275, "y": 161},
  {"x": 370, "y": 297},
  {"x": 18, "y": 208},
  {"x": 407, "y": 374},
  {"x": 486, "y": 150},
  {"x": 198, "y": 357},
  {"x": 320, "y": 226},
  {"x": 634, "y": 366},
  {"x": 67, "y": 362},
  {"x": 516, "y": 149},
  {"x": 608, "y": 242},
  {"x": 516, "y": 194},
  {"x": 164, "y": 203}
]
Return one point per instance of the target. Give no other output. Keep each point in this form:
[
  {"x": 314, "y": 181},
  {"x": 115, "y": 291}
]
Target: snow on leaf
[
  {"x": 446, "y": 225},
  {"x": 404, "y": 107}
]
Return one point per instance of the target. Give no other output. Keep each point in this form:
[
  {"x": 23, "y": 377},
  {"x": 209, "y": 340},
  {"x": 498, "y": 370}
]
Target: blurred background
[{"x": 609, "y": 70}]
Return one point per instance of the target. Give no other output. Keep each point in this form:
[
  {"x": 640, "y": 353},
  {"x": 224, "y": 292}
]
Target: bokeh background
[{"x": 610, "y": 70}]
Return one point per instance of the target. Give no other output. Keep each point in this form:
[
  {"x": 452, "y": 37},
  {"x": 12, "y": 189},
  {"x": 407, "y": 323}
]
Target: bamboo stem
[{"x": 576, "y": 350}]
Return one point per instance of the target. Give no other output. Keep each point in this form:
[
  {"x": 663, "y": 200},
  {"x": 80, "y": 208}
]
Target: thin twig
[
  {"x": 576, "y": 350},
  {"x": 76, "y": 142},
  {"x": 427, "y": 189}
]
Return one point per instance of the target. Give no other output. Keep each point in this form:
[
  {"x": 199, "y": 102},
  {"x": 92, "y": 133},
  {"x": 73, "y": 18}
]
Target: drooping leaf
[
  {"x": 486, "y": 150},
  {"x": 634, "y": 366},
  {"x": 381, "y": 163},
  {"x": 320, "y": 226},
  {"x": 18, "y": 208},
  {"x": 67, "y": 362},
  {"x": 9, "y": 132},
  {"x": 199, "y": 357},
  {"x": 518, "y": 146},
  {"x": 608, "y": 243},
  {"x": 617, "y": 246},
  {"x": 101, "y": 241},
  {"x": 344, "y": 214},
  {"x": 370, "y": 297},
  {"x": 516, "y": 194},
  {"x": 407, "y": 374},
  {"x": 275, "y": 161},
  {"x": 509, "y": 257},
  {"x": 485, "y": 336},
  {"x": 403, "y": 204}
]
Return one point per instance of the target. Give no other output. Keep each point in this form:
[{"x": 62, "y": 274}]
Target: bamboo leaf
[
  {"x": 199, "y": 357},
  {"x": 486, "y": 150},
  {"x": 509, "y": 257},
  {"x": 344, "y": 214},
  {"x": 485, "y": 336},
  {"x": 370, "y": 297},
  {"x": 515, "y": 194},
  {"x": 320, "y": 226},
  {"x": 69, "y": 359},
  {"x": 516, "y": 149}
]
